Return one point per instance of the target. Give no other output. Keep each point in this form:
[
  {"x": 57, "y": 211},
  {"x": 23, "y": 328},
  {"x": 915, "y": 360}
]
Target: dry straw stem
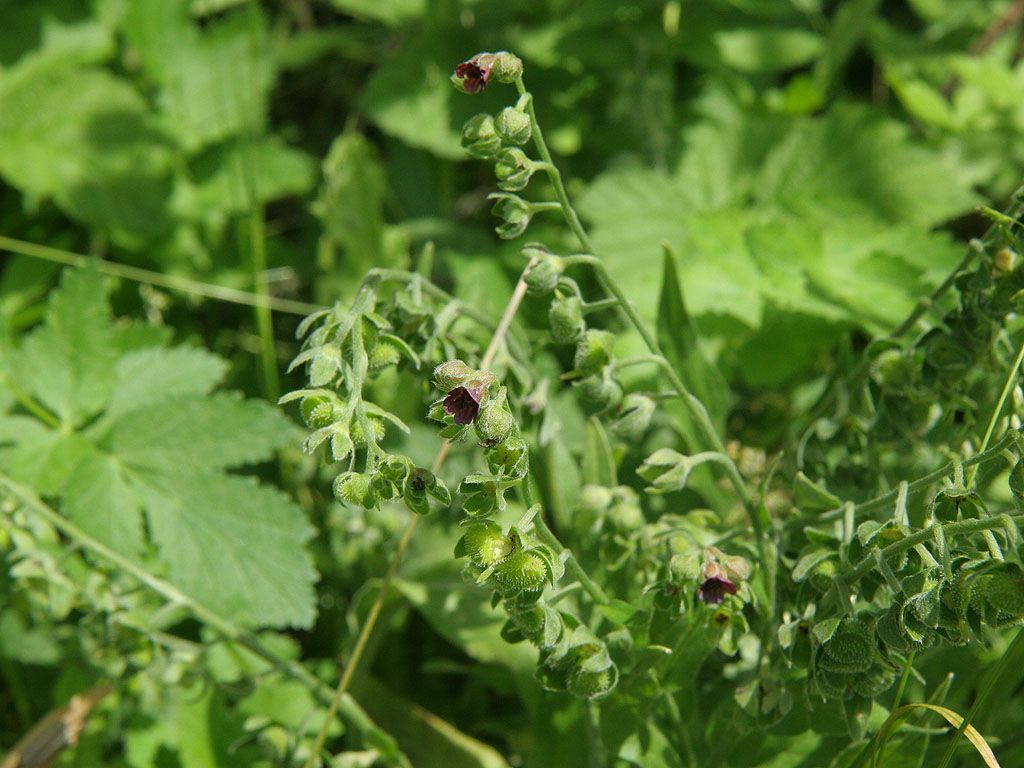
[{"x": 950, "y": 717}]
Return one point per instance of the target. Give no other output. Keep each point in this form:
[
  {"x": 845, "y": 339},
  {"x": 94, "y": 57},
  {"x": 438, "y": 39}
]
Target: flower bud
[
  {"x": 565, "y": 318},
  {"x": 589, "y": 684},
  {"x": 510, "y": 458},
  {"x": 452, "y": 374},
  {"x": 513, "y": 126},
  {"x": 317, "y": 411},
  {"x": 479, "y": 137},
  {"x": 634, "y": 417},
  {"x": 625, "y": 514},
  {"x": 893, "y": 370},
  {"x": 593, "y": 352},
  {"x": 506, "y": 67},
  {"x": 514, "y": 212},
  {"x": 601, "y": 391},
  {"x": 484, "y": 544},
  {"x": 542, "y": 277},
  {"x": 385, "y": 354},
  {"x": 494, "y": 422},
  {"x": 354, "y": 488},
  {"x": 513, "y": 169},
  {"x": 521, "y": 571},
  {"x": 359, "y": 437},
  {"x": 850, "y": 650}
]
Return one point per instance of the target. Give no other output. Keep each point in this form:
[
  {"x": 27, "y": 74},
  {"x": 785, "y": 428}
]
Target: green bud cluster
[{"x": 514, "y": 562}]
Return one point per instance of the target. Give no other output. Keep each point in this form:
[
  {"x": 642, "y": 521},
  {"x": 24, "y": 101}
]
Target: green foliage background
[{"x": 815, "y": 166}]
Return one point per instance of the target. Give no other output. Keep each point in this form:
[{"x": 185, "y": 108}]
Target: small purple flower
[
  {"x": 463, "y": 403},
  {"x": 472, "y": 75},
  {"x": 714, "y": 589}
]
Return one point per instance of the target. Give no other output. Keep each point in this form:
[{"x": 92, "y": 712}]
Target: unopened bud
[
  {"x": 515, "y": 214},
  {"x": 479, "y": 137},
  {"x": 565, "y": 318},
  {"x": 593, "y": 352},
  {"x": 634, "y": 417},
  {"x": 542, "y": 277},
  {"x": 513, "y": 126},
  {"x": 513, "y": 169},
  {"x": 506, "y": 67}
]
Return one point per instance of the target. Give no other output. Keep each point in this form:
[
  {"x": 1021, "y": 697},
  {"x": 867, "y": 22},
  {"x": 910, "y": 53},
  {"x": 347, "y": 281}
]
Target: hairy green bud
[
  {"x": 385, "y": 354},
  {"x": 521, "y": 571},
  {"x": 513, "y": 169},
  {"x": 480, "y": 138},
  {"x": 594, "y": 352},
  {"x": 506, "y": 67},
  {"x": 452, "y": 374},
  {"x": 484, "y": 544},
  {"x": 602, "y": 391},
  {"x": 513, "y": 126},
  {"x": 589, "y": 684},
  {"x": 634, "y": 417},
  {"x": 542, "y": 277},
  {"x": 494, "y": 422},
  {"x": 510, "y": 458},
  {"x": 565, "y": 319},
  {"x": 354, "y": 488},
  {"x": 850, "y": 650},
  {"x": 317, "y": 411}
]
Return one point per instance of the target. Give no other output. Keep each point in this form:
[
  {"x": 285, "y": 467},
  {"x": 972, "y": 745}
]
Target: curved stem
[{"x": 1011, "y": 377}]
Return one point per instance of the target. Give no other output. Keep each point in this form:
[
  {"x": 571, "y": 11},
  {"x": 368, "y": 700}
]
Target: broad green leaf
[
  {"x": 854, "y": 165},
  {"x": 85, "y": 138},
  {"x": 679, "y": 342},
  {"x": 391, "y": 13},
  {"x": 100, "y": 501},
  {"x": 214, "y": 83},
  {"x": 351, "y": 201},
  {"x": 409, "y": 96},
  {"x": 235, "y": 177},
  {"x": 149, "y": 375},
  {"x": 67, "y": 364},
  {"x": 219, "y": 431},
  {"x": 234, "y": 545},
  {"x": 767, "y": 49}
]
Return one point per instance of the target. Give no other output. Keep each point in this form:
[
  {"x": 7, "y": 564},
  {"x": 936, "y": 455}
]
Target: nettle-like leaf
[
  {"x": 829, "y": 217},
  {"x": 138, "y": 454}
]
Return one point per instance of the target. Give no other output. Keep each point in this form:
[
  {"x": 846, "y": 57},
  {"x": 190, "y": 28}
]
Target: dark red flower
[
  {"x": 473, "y": 75},
  {"x": 463, "y": 403},
  {"x": 714, "y": 589}
]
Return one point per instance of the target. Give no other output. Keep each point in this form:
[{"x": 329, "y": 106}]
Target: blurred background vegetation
[{"x": 814, "y": 164}]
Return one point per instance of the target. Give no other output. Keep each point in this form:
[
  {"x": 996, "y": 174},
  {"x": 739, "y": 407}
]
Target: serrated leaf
[
  {"x": 150, "y": 375},
  {"x": 219, "y": 431},
  {"x": 100, "y": 501},
  {"x": 234, "y": 545},
  {"x": 67, "y": 364},
  {"x": 86, "y": 138}
]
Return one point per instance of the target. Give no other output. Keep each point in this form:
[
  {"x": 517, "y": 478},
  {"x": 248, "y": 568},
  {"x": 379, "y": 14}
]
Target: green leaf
[
  {"x": 67, "y": 364},
  {"x": 234, "y": 545},
  {"x": 767, "y": 49},
  {"x": 219, "y": 431},
  {"x": 85, "y": 138},
  {"x": 351, "y": 201},
  {"x": 214, "y": 83},
  {"x": 100, "y": 501},
  {"x": 391, "y": 13},
  {"x": 234, "y": 177},
  {"x": 679, "y": 342},
  {"x": 150, "y": 375}
]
